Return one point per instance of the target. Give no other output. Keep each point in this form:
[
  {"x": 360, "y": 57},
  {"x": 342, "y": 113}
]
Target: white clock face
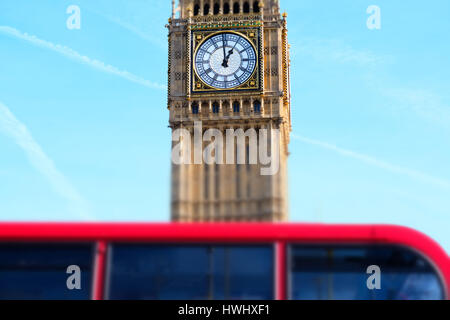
[{"x": 225, "y": 60}]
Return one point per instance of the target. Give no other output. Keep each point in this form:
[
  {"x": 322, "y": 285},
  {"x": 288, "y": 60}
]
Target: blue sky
[{"x": 83, "y": 118}]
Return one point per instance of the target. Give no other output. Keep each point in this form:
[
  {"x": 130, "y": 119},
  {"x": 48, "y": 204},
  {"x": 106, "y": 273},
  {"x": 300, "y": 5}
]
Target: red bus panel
[{"x": 298, "y": 250}]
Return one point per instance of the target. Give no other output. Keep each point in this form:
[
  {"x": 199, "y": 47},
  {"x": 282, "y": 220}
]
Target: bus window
[
  {"x": 39, "y": 271},
  {"x": 333, "y": 272},
  {"x": 168, "y": 272}
]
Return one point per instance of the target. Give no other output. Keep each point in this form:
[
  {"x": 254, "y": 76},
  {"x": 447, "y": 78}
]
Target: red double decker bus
[{"x": 219, "y": 261}]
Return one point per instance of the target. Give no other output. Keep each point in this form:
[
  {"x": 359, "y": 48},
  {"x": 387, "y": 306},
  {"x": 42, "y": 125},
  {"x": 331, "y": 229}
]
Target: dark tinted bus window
[
  {"x": 340, "y": 273},
  {"x": 243, "y": 273},
  {"x": 190, "y": 272},
  {"x": 38, "y": 271}
]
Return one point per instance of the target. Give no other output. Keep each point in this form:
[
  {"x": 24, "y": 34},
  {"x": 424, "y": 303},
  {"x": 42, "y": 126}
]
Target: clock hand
[
  {"x": 231, "y": 52},
  {"x": 223, "y": 40},
  {"x": 225, "y": 60}
]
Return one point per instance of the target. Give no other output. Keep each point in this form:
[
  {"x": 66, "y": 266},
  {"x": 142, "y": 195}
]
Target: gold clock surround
[{"x": 253, "y": 83}]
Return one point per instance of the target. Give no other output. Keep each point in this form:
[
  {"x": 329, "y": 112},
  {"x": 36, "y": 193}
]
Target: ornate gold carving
[
  {"x": 225, "y": 25},
  {"x": 188, "y": 62},
  {"x": 169, "y": 70},
  {"x": 227, "y": 18},
  {"x": 285, "y": 64}
]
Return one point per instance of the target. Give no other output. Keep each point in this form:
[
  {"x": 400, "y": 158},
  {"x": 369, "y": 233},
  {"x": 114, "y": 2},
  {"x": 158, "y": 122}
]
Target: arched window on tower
[
  {"x": 236, "y": 7},
  {"x": 256, "y": 7},
  {"x": 215, "y": 107},
  {"x": 196, "y": 9},
  {"x": 195, "y": 108},
  {"x": 226, "y": 8},
  {"x": 216, "y": 8},
  {"x": 206, "y": 9},
  {"x": 236, "y": 107},
  {"x": 257, "y": 106},
  {"x": 246, "y": 7}
]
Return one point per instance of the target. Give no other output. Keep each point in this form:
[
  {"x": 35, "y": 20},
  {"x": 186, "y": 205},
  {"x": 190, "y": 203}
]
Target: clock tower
[{"x": 229, "y": 73}]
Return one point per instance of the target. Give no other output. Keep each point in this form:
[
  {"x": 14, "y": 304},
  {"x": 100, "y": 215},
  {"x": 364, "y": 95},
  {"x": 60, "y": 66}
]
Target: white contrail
[
  {"x": 147, "y": 36},
  {"x": 74, "y": 55},
  {"x": 377, "y": 163},
  {"x": 15, "y": 129}
]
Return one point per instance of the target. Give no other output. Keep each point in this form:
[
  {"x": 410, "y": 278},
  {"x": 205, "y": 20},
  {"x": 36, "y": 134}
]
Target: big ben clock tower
[{"x": 229, "y": 72}]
